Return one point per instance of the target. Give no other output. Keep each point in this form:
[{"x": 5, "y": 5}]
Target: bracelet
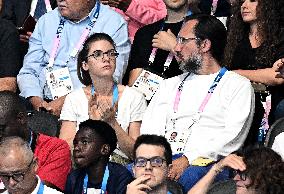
[{"x": 216, "y": 168}]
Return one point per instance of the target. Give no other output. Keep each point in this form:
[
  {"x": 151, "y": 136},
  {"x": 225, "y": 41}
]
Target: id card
[
  {"x": 147, "y": 83},
  {"x": 95, "y": 191},
  {"x": 59, "y": 82}
]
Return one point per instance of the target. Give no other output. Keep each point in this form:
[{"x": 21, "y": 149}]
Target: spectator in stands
[
  {"x": 93, "y": 144},
  {"x": 55, "y": 43},
  {"x": 257, "y": 171},
  {"x": 18, "y": 168},
  {"x": 154, "y": 42},
  {"x": 255, "y": 42},
  {"x": 202, "y": 105},
  {"x": 138, "y": 13},
  {"x": 151, "y": 177},
  {"x": 10, "y": 62},
  {"x": 53, "y": 154},
  {"x": 96, "y": 65},
  {"x": 18, "y": 11}
]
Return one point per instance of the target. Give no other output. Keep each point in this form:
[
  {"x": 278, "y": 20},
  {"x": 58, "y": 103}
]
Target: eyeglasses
[
  {"x": 183, "y": 40},
  {"x": 99, "y": 54},
  {"x": 18, "y": 176},
  {"x": 154, "y": 161},
  {"x": 242, "y": 174}
]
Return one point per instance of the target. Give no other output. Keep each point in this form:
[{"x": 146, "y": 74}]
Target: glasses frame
[
  {"x": 242, "y": 174},
  {"x": 18, "y": 176},
  {"x": 151, "y": 160},
  {"x": 108, "y": 53},
  {"x": 183, "y": 40}
]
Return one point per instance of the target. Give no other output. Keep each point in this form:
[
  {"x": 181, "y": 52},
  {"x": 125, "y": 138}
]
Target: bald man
[{"x": 18, "y": 168}]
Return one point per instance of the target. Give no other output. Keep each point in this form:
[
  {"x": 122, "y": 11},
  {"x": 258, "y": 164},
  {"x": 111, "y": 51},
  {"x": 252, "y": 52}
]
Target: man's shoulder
[
  {"x": 150, "y": 28},
  {"x": 106, "y": 11},
  {"x": 118, "y": 170},
  {"x": 234, "y": 77}
]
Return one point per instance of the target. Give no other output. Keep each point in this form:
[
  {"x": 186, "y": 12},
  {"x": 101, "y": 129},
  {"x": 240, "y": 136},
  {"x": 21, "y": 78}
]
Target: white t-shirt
[
  {"x": 46, "y": 190},
  {"x": 131, "y": 107},
  {"x": 224, "y": 123},
  {"x": 278, "y": 144}
]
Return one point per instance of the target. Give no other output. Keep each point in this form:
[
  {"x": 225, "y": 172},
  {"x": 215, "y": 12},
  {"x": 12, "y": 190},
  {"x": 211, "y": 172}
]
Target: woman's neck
[
  {"x": 96, "y": 171},
  {"x": 254, "y": 36},
  {"x": 103, "y": 87}
]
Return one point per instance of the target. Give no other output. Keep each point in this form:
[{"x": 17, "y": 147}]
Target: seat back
[{"x": 276, "y": 128}]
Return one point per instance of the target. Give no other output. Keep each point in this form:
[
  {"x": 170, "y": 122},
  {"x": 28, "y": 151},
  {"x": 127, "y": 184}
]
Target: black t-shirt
[
  {"x": 245, "y": 58},
  {"x": 10, "y": 62},
  {"x": 119, "y": 178},
  {"x": 142, "y": 48}
]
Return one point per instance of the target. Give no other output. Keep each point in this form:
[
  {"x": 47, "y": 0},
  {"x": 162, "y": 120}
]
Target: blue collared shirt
[{"x": 31, "y": 79}]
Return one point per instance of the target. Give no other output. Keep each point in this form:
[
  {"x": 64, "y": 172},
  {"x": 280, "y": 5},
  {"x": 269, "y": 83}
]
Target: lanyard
[
  {"x": 114, "y": 93},
  {"x": 170, "y": 55},
  {"x": 41, "y": 188},
  {"x": 214, "y": 7},
  {"x": 82, "y": 39},
  {"x": 104, "y": 183},
  {"x": 209, "y": 93}
]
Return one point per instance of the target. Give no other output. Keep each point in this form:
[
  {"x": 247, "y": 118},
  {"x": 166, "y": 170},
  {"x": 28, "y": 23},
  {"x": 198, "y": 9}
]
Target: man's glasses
[
  {"x": 17, "y": 176},
  {"x": 154, "y": 161},
  {"x": 242, "y": 174},
  {"x": 183, "y": 40},
  {"x": 99, "y": 54}
]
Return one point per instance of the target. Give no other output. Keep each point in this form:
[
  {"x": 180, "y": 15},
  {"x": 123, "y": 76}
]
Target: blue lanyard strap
[
  {"x": 104, "y": 183},
  {"x": 114, "y": 93},
  {"x": 41, "y": 188}
]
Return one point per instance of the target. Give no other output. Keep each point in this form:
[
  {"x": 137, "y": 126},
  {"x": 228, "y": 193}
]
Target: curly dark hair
[
  {"x": 265, "y": 169},
  {"x": 269, "y": 19}
]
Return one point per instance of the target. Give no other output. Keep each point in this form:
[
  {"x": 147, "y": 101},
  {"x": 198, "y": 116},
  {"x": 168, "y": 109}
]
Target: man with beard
[{"x": 208, "y": 107}]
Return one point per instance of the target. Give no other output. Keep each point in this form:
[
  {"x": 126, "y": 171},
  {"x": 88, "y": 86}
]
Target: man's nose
[
  {"x": 12, "y": 182},
  {"x": 148, "y": 165}
]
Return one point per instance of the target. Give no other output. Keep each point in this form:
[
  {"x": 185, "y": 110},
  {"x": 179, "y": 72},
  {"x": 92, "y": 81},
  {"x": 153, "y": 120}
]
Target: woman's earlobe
[{"x": 85, "y": 66}]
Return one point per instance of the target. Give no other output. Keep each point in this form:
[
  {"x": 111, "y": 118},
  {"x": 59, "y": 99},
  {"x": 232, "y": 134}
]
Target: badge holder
[
  {"x": 147, "y": 83},
  {"x": 59, "y": 82}
]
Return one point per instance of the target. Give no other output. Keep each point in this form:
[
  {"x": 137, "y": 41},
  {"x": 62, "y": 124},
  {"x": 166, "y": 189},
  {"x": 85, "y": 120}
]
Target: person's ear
[
  {"x": 205, "y": 45},
  {"x": 133, "y": 170},
  {"x": 85, "y": 66},
  {"x": 105, "y": 150},
  {"x": 35, "y": 164}
]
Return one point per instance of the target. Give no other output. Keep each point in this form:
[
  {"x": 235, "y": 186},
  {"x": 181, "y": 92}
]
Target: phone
[{"x": 28, "y": 25}]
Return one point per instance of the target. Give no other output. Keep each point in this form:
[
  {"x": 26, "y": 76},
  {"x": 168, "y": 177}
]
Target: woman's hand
[{"x": 102, "y": 110}]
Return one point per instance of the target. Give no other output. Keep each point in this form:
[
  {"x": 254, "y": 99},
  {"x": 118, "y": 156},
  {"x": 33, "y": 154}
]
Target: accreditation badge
[
  {"x": 59, "y": 82},
  {"x": 178, "y": 131},
  {"x": 147, "y": 83}
]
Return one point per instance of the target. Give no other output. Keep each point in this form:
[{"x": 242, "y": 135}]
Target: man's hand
[
  {"x": 55, "y": 106},
  {"x": 179, "y": 165},
  {"x": 165, "y": 40},
  {"x": 137, "y": 186},
  {"x": 25, "y": 37},
  {"x": 38, "y": 102}
]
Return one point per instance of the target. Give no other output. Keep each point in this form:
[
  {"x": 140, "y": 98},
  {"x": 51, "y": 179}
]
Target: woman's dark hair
[
  {"x": 265, "y": 169},
  {"x": 269, "y": 18},
  {"x": 83, "y": 75}
]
